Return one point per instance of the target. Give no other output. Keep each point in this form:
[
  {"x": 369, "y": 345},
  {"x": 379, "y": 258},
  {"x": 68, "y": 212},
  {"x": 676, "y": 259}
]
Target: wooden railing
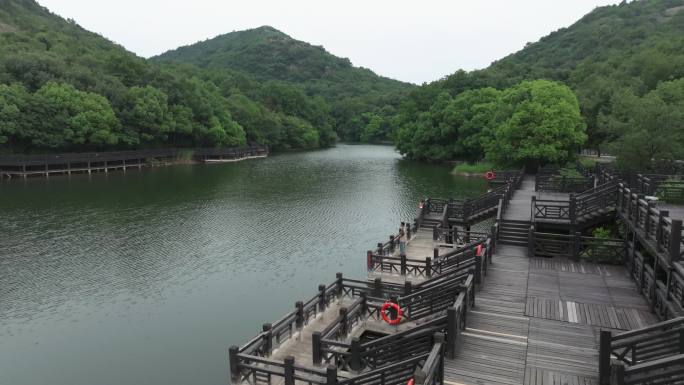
[
  {"x": 464, "y": 257},
  {"x": 657, "y": 229},
  {"x": 600, "y": 199},
  {"x": 432, "y": 371},
  {"x": 557, "y": 183},
  {"x": 651, "y": 355},
  {"x": 599, "y": 250},
  {"x": 331, "y": 345},
  {"x": 446, "y": 211},
  {"x": 250, "y": 362}
]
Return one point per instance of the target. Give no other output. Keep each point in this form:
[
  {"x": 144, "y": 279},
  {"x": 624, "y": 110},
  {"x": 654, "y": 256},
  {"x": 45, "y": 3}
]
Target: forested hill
[
  {"x": 357, "y": 95},
  {"x": 63, "y": 88},
  {"x": 614, "y": 59}
]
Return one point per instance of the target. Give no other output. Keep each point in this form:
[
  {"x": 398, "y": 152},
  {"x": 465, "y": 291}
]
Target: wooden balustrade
[
  {"x": 558, "y": 183},
  {"x": 599, "y": 250},
  {"x": 654, "y": 354},
  {"x": 331, "y": 347}
]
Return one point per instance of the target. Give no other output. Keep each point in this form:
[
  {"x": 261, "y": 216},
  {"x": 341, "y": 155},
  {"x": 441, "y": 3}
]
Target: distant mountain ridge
[
  {"x": 361, "y": 102},
  {"x": 269, "y": 54}
]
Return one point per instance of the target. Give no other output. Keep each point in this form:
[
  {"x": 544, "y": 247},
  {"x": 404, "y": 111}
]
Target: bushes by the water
[{"x": 473, "y": 168}]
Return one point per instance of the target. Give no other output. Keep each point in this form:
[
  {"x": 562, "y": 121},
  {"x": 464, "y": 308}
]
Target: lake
[{"x": 147, "y": 277}]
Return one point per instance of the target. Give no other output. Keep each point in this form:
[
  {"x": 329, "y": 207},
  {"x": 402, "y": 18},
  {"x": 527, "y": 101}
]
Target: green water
[{"x": 148, "y": 277}]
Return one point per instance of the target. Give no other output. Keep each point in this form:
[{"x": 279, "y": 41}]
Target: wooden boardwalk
[
  {"x": 531, "y": 321},
  {"x": 537, "y": 321}
]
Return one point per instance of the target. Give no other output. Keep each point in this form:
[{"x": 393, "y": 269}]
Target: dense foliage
[
  {"x": 361, "y": 102},
  {"x": 63, "y": 88},
  {"x": 532, "y": 122},
  {"x": 613, "y": 59}
]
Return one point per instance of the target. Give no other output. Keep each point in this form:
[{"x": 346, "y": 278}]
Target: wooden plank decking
[{"x": 537, "y": 321}]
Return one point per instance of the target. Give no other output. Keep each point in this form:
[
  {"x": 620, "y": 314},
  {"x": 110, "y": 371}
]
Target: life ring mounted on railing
[
  {"x": 490, "y": 175},
  {"x": 385, "y": 317}
]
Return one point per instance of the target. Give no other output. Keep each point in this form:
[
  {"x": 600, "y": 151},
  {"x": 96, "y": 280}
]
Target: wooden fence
[
  {"x": 578, "y": 208},
  {"x": 446, "y": 212},
  {"x": 651, "y": 355},
  {"x": 598, "y": 250},
  {"x": 564, "y": 184},
  {"x": 329, "y": 346},
  {"x": 463, "y": 257}
]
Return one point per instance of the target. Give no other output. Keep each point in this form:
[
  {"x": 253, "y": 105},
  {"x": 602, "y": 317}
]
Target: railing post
[
  {"x": 617, "y": 375},
  {"x": 363, "y": 303},
  {"x": 675, "y": 239},
  {"x": 572, "y": 210},
  {"x": 532, "y": 208},
  {"x": 331, "y": 375},
  {"x": 370, "y": 260},
  {"x": 435, "y": 233},
  {"x": 299, "y": 315},
  {"x": 267, "y": 339},
  {"x": 419, "y": 376},
  {"x": 321, "y": 298},
  {"x": 402, "y": 259},
  {"x": 380, "y": 250},
  {"x": 343, "y": 322},
  {"x": 233, "y": 352},
  {"x": 649, "y": 223},
  {"x": 439, "y": 339},
  {"x": 453, "y": 330},
  {"x": 659, "y": 229},
  {"x": 392, "y": 310},
  {"x": 576, "y": 245},
  {"x": 377, "y": 287},
  {"x": 408, "y": 288},
  {"x": 289, "y": 370},
  {"x": 391, "y": 240},
  {"x": 454, "y": 235},
  {"x": 339, "y": 284},
  {"x": 604, "y": 357},
  {"x": 530, "y": 242},
  {"x": 478, "y": 267},
  {"x": 355, "y": 363},
  {"x": 408, "y": 231},
  {"x": 316, "y": 348}
]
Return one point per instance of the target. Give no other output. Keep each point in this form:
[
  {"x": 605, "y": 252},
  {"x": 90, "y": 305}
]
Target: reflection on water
[{"x": 147, "y": 277}]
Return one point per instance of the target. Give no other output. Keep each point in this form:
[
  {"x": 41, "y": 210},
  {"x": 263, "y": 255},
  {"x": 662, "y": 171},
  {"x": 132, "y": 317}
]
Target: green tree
[
  {"x": 13, "y": 107},
  {"x": 148, "y": 114},
  {"x": 540, "y": 123},
  {"x": 650, "y": 129},
  {"x": 63, "y": 117}
]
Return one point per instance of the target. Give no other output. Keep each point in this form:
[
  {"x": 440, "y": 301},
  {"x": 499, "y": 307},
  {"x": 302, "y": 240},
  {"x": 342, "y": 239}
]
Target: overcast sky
[{"x": 414, "y": 41}]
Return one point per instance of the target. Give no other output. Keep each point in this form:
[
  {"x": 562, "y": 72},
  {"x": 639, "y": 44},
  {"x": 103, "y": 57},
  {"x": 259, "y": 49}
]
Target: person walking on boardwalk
[{"x": 402, "y": 241}]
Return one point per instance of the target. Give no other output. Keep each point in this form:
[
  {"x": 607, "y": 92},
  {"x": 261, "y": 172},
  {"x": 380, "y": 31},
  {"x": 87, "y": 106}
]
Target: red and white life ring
[
  {"x": 490, "y": 175},
  {"x": 478, "y": 250},
  {"x": 385, "y": 317}
]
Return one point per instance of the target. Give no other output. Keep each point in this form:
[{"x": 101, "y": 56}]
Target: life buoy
[
  {"x": 385, "y": 317},
  {"x": 411, "y": 381},
  {"x": 369, "y": 260},
  {"x": 478, "y": 250},
  {"x": 489, "y": 175}
]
